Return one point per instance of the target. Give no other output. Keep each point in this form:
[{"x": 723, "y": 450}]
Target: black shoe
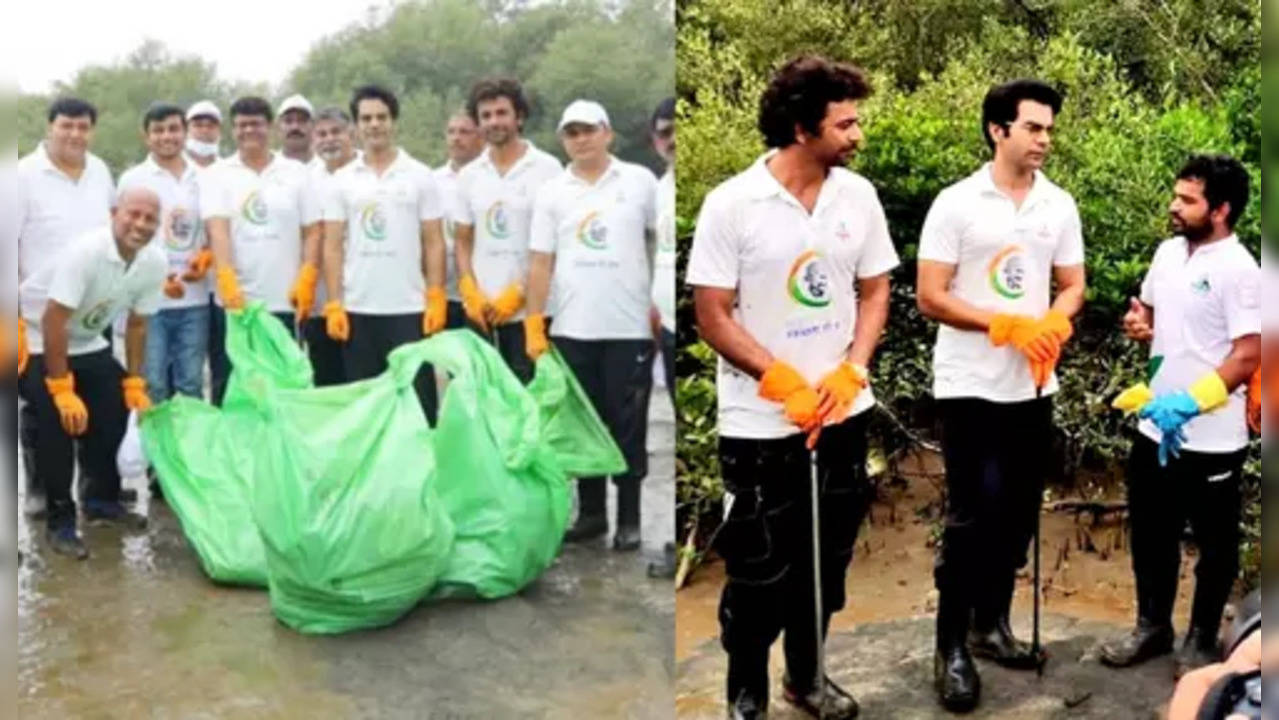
[
  {"x": 587, "y": 527},
  {"x": 1146, "y": 641},
  {"x": 107, "y": 513},
  {"x": 999, "y": 645},
  {"x": 748, "y": 707},
  {"x": 956, "y": 680},
  {"x": 64, "y": 541},
  {"x": 830, "y": 701},
  {"x": 626, "y": 539},
  {"x": 128, "y": 496},
  {"x": 1200, "y": 648},
  {"x": 668, "y": 568}
]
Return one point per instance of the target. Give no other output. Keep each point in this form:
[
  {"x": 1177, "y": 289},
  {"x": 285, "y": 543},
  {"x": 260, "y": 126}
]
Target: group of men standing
[
  {"x": 790, "y": 272},
  {"x": 356, "y": 252}
]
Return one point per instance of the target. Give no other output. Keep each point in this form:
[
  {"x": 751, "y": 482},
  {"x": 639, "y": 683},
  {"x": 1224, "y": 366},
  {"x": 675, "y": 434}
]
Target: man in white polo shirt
[
  {"x": 295, "y": 125},
  {"x": 662, "y": 128},
  {"x": 1200, "y": 310},
  {"x": 591, "y": 236},
  {"x": 992, "y": 247},
  {"x": 464, "y": 143},
  {"x": 79, "y": 392},
  {"x": 178, "y": 334},
  {"x": 789, "y": 269},
  {"x": 494, "y": 207},
  {"x": 263, "y": 222},
  {"x": 383, "y": 248},
  {"x": 334, "y": 144},
  {"x": 204, "y": 133},
  {"x": 63, "y": 191}
]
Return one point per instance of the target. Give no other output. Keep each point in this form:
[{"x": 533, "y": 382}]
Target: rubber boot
[
  {"x": 991, "y": 636},
  {"x": 747, "y": 681},
  {"x": 592, "y": 515},
  {"x": 955, "y": 675},
  {"x": 626, "y": 538}
]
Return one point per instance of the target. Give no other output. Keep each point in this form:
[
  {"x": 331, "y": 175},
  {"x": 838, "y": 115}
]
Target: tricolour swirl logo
[
  {"x": 373, "y": 221},
  {"x": 180, "y": 229},
  {"x": 95, "y": 321},
  {"x": 496, "y": 221},
  {"x": 253, "y": 209},
  {"x": 807, "y": 283},
  {"x": 592, "y": 232},
  {"x": 1008, "y": 272}
]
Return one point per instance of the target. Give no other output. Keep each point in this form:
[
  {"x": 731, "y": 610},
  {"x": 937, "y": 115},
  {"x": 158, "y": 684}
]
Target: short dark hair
[
  {"x": 1002, "y": 102},
  {"x": 374, "y": 92},
  {"x": 493, "y": 88},
  {"x": 799, "y": 93},
  {"x": 254, "y": 106},
  {"x": 72, "y": 107},
  {"x": 159, "y": 111},
  {"x": 334, "y": 114},
  {"x": 1225, "y": 180},
  {"x": 665, "y": 111}
]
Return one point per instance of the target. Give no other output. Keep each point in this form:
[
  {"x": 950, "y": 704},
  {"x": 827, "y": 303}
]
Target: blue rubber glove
[{"x": 1170, "y": 413}]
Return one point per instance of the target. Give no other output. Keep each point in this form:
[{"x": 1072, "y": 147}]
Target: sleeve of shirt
[
  {"x": 1070, "y": 246},
  {"x": 541, "y": 235},
  {"x": 1148, "y": 283},
  {"x": 71, "y": 277},
  {"x": 309, "y": 209},
  {"x": 214, "y": 202},
  {"x": 650, "y": 200},
  {"x": 430, "y": 203},
  {"x": 1243, "y": 302},
  {"x": 713, "y": 260},
  {"x": 459, "y": 205},
  {"x": 939, "y": 241},
  {"x": 878, "y": 254},
  {"x": 111, "y": 189},
  {"x": 332, "y": 206},
  {"x": 147, "y": 301}
]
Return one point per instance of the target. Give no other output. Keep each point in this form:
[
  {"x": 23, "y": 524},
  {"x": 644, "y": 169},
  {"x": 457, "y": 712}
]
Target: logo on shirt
[
  {"x": 842, "y": 233},
  {"x": 373, "y": 221},
  {"x": 1201, "y": 286},
  {"x": 1008, "y": 272},
  {"x": 254, "y": 209},
  {"x": 496, "y": 221},
  {"x": 808, "y": 284},
  {"x": 592, "y": 232},
  {"x": 179, "y": 229},
  {"x": 95, "y": 321}
]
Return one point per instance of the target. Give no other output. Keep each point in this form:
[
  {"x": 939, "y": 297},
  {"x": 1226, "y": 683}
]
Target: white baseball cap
[
  {"x": 295, "y": 102},
  {"x": 204, "y": 108},
  {"x": 585, "y": 112}
]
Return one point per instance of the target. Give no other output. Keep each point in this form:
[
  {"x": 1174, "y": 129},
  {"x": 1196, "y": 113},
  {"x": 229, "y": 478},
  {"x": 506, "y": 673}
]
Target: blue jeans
[{"x": 177, "y": 341}]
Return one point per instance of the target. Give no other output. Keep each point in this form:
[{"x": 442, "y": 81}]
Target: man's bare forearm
[
  {"x": 135, "y": 343},
  {"x": 872, "y": 317},
  {"x": 333, "y": 250},
  {"x": 725, "y": 336},
  {"x": 540, "y": 268}
]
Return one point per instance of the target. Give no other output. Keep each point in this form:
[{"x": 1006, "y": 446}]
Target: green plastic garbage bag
[
  {"x": 345, "y": 502},
  {"x": 497, "y": 476},
  {"x": 204, "y": 457},
  {"x": 580, "y": 440}
]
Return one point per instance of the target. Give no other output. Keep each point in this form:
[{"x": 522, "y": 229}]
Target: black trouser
[
  {"x": 668, "y": 362},
  {"x": 767, "y": 546},
  {"x": 455, "y": 316},
  {"x": 219, "y": 362},
  {"x": 97, "y": 382},
  {"x": 9, "y": 396},
  {"x": 373, "y": 337},
  {"x": 509, "y": 341},
  {"x": 325, "y": 353},
  {"x": 995, "y": 465},
  {"x": 617, "y": 375},
  {"x": 1203, "y": 488}
]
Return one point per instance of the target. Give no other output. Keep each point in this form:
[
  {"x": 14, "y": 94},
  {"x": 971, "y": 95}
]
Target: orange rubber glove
[
  {"x": 23, "y": 354},
  {"x": 474, "y": 302},
  {"x": 506, "y": 304},
  {"x": 173, "y": 287},
  {"x": 1026, "y": 334},
  {"x": 783, "y": 383},
  {"x": 437, "y": 311},
  {"x": 71, "y": 410},
  {"x": 336, "y": 323},
  {"x": 135, "y": 393},
  {"x": 1254, "y": 402},
  {"x": 199, "y": 266},
  {"x": 535, "y": 342},
  {"x": 302, "y": 294},
  {"x": 839, "y": 390},
  {"x": 1058, "y": 326},
  {"x": 229, "y": 289}
]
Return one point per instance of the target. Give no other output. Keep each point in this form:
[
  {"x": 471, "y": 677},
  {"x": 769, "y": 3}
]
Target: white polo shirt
[
  {"x": 320, "y": 177},
  {"x": 181, "y": 232},
  {"x": 796, "y": 279},
  {"x": 1004, "y": 258},
  {"x": 664, "y": 258},
  {"x": 1203, "y": 302},
  {"x": 446, "y": 177},
  {"x": 382, "y": 268},
  {"x": 500, "y": 208},
  {"x": 89, "y": 276},
  {"x": 53, "y": 209},
  {"x": 267, "y": 213},
  {"x": 601, "y": 287}
]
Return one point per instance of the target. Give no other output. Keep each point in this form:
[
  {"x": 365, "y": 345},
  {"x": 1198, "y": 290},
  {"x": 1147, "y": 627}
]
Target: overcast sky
[{"x": 251, "y": 40}]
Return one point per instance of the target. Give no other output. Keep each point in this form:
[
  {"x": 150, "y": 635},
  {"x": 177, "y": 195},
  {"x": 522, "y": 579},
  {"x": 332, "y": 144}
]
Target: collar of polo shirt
[
  {"x": 986, "y": 180},
  {"x": 613, "y": 170},
  {"x": 188, "y": 167},
  {"x": 235, "y": 159},
  {"x": 530, "y": 150},
  {"x": 46, "y": 162},
  {"x": 762, "y": 184},
  {"x": 361, "y": 161},
  {"x": 1211, "y": 247}
]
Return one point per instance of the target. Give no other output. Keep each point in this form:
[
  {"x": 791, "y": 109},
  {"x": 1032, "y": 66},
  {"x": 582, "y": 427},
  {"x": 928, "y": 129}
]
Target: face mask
[{"x": 201, "y": 148}]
